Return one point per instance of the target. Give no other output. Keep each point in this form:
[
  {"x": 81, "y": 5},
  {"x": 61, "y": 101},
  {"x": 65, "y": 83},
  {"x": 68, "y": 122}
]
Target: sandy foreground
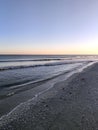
[{"x": 69, "y": 105}]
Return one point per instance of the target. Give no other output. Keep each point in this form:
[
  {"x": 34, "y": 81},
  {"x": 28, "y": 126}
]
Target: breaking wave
[{"x": 37, "y": 65}]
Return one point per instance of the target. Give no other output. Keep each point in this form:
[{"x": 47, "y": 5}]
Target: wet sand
[{"x": 69, "y": 105}]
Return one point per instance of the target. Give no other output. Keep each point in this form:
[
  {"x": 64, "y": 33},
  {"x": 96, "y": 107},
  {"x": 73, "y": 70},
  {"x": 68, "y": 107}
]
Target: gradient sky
[{"x": 49, "y": 26}]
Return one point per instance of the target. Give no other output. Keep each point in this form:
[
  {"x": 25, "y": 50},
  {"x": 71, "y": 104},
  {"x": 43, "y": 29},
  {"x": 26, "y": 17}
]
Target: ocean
[{"x": 22, "y": 73}]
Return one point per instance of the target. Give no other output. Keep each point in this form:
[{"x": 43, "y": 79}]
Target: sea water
[{"x": 17, "y": 70}]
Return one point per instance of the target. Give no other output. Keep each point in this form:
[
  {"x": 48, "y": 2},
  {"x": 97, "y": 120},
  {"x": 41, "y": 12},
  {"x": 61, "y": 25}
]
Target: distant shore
[{"x": 69, "y": 105}]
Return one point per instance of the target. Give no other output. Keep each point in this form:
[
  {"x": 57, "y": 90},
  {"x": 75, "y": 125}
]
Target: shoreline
[
  {"x": 33, "y": 89},
  {"x": 65, "y": 98}
]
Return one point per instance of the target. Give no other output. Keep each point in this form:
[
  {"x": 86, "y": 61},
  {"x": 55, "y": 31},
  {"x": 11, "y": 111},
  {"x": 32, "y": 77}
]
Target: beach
[
  {"x": 69, "y": 105},
  {"x": 49, "y": 65}
]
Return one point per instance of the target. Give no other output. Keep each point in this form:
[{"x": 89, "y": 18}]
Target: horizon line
[{"x": 44, "y": 54}]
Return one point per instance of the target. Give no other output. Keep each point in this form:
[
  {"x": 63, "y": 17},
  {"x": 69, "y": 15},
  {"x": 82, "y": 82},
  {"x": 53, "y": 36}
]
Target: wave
[
  {"x": 29, "y": 81},
  {"x": 27, "y": 60},
  {"x": 15, "y": 88},
  {"x": 18, "y": 87},
  {"x": 38, "y": 65}
]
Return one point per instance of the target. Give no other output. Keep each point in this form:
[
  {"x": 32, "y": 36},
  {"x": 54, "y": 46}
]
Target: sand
[{"x": 69, "y": 105}]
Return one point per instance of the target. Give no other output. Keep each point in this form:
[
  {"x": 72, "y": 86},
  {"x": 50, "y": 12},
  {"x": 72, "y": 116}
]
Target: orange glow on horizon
[
  {"x": 50, "y": 49},
  {"x": 54, "y": 52}
]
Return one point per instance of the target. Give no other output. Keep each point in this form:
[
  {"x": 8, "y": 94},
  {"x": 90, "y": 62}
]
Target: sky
[{"x": 48, "y": 26}]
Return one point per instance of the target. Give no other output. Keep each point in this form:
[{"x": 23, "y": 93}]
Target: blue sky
[{"x": 49, "y": 26}]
